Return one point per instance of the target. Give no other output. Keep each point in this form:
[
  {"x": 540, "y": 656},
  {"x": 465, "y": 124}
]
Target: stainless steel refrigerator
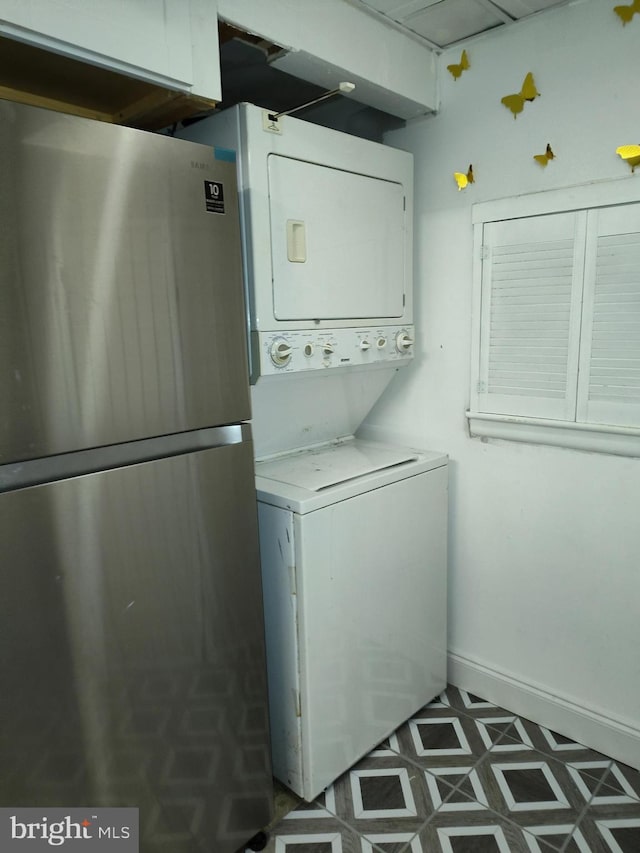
[{"x": 132, "y": 668}]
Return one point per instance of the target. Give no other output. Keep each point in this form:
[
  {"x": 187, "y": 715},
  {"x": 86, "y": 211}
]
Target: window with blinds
[{"x": 557, "y": 328}]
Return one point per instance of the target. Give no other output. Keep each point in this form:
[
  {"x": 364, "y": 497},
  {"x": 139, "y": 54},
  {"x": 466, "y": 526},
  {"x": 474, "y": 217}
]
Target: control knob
[
  {"x": 364, "y": 345},
  {"x": 280, "y": 353},
  {"x": 403, "y": 342},
  {"x": 328, "y": 347}
]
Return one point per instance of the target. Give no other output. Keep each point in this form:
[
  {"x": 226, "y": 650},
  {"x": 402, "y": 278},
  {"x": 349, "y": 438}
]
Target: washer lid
[{"x": 320, "y": 469}]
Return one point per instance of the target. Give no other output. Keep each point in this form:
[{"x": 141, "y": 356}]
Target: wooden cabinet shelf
[{"x": 42, "y": 78}]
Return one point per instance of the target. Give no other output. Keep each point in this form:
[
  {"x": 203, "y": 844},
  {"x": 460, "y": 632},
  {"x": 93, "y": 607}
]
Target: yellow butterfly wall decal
[
  {"x": 626, "y": 13},
  {"x": 463, "y": 180},
  {"x": 630, "y": 153},
  {"x": 515, "y": 103},
  {"x": 457, "y": 68},
  {"x": 543, "y": 159}
]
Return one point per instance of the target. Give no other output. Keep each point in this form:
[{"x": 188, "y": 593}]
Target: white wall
[{"x": 544, "y": 609}]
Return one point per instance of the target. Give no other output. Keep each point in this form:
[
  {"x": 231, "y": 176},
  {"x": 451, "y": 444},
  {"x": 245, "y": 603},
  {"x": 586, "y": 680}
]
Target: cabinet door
[{"x": 160, "y": 41}]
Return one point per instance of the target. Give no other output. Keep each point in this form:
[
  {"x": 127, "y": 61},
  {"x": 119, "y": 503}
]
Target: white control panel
[{"x": 322, "y": 349}]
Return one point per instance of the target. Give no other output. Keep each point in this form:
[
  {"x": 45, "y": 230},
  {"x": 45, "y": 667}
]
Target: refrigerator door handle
[{"x": 32, "y": 472}]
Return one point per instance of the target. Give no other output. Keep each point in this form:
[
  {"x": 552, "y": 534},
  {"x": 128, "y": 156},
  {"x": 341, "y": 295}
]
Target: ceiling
[{"x": 442, "y": 23}]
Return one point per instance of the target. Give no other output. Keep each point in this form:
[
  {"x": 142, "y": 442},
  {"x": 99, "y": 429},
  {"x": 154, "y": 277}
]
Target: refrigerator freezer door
[
  {"x": 121, "y": 303},
  {"x": 132, "y": 650}
]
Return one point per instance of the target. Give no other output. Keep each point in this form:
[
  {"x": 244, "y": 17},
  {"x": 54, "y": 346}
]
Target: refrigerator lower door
[{"x": 132, "y": 648}]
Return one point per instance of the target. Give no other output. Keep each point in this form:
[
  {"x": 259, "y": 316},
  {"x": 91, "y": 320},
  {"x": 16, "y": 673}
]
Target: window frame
[{"x": 615, "y": 439}]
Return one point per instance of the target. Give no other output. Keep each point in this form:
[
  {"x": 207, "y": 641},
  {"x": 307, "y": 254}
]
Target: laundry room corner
[{"x": 543, "y": 540}]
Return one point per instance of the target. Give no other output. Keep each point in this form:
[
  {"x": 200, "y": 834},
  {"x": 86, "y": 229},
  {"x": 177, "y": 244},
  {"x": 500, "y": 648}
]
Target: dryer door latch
[{"x": 296, "y": 241}]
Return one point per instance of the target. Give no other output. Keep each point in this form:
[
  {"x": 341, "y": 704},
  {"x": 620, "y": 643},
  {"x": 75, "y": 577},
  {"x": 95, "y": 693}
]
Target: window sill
[{"x": 621, "y": 441}]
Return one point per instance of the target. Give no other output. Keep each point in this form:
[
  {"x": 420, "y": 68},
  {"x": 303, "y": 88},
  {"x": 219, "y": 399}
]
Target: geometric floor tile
[
  {"x": 387, "y": 747},
  {"x": 588, "y": 776},
  {"x": 484, "y": 832},
  {"x": 391, "y": 842},
  {"x": 620, "y": 784},
  {"x": 621, "y": 835},
  {"x": 611, "y": 827},
  {"x": 465, "y": 776},
  {"x": 632, "y": 776},
  {"x": 439, "y": 736},
  {"x": 529, "y": 786},
  {"x": 559, "y": 743},
  {"x": 441, "y": 701},
  {"x": 537, "y": 790},
  {"x": 528, "y": 735},
  {"x": 474, "y": 703},
  {"x": 313, "y": 838},
  {"x": 461, "y": 700},
  {"x": 382, "y": 793},
  {"x": 510, "y": 726},
  {"x": 468, "y": 794},
  {"x": 538, "y": 837},
  {"x": 323, "y": 806}
]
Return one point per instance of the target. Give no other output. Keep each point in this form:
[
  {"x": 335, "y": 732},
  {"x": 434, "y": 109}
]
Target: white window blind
[
  {"x": 531, "y": 294},
  {"x": 556, "y": 333},
  {"x": 609, "y": 387}
]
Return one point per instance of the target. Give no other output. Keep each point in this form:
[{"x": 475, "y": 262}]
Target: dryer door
[{"x": 329, "y": 227}]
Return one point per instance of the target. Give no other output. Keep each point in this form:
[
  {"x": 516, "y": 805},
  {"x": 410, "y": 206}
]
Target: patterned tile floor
[{"x": 465, "y": 776}]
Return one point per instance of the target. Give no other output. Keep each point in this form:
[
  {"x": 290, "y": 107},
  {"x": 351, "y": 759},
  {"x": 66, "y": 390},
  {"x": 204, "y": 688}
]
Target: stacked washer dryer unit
[{"x": 353, "y": 533}]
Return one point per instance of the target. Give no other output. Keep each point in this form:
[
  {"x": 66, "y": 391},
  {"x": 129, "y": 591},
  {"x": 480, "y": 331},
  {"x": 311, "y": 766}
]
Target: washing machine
[
  {"x": 352, "y": 533},
  {"x": 353, "y": 548}
]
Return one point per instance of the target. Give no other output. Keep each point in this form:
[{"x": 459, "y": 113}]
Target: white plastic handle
[{"x": 296, "y": 241}]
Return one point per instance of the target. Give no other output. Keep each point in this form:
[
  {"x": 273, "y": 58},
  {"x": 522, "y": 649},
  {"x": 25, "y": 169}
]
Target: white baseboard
[{"x": 590, "y": 727}]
